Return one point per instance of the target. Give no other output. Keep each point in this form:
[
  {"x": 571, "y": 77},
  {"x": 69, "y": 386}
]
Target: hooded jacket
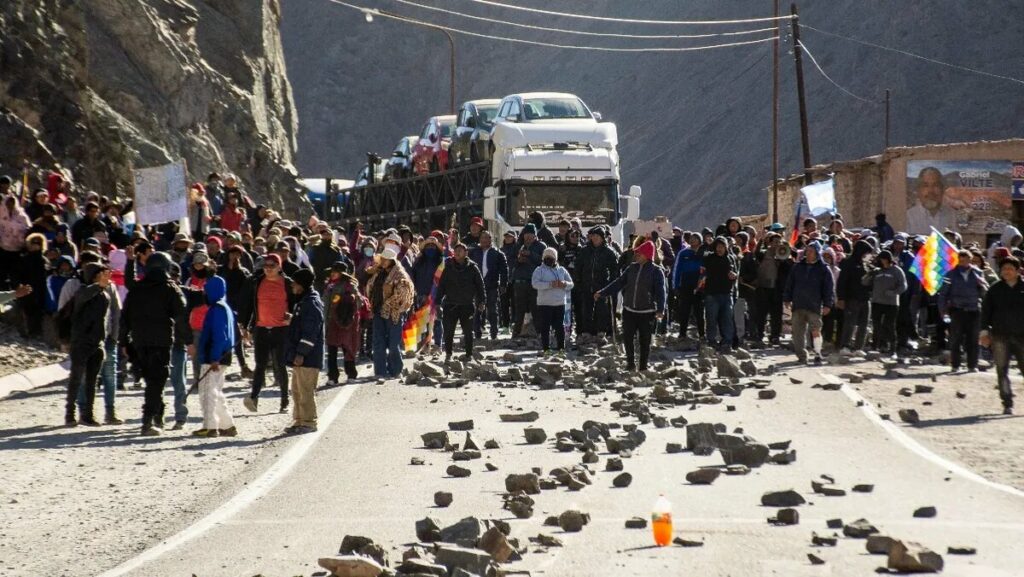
[
  {"x": 217, "y": 337},
  {"x": 686, "y": 271},
  {"x": 306, "y": 331},
  {"x": 717, "y": 269},
  {"x": 1002, "y": 310},
  {"x": 642, "y": 286},
  {"x": 962, "y": 293},
  {"x": 809, "y": 286},
  {"x": 887, "y": 284},
  {"x": 851, "y": 271},
  {"x": 89, "y": 320},
  {"x": 153, "y": 315},
  {"x": 460, "y": 284},
  {"x": 1005, "y": 240}
]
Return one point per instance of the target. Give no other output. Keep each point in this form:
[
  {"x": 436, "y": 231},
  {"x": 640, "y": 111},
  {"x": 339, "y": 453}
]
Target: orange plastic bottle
[{"x": 661, "y": 521}]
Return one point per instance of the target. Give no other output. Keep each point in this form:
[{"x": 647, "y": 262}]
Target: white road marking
[
  {"x": 910, "y": 443},
  {"x": 256, "y": 489}
]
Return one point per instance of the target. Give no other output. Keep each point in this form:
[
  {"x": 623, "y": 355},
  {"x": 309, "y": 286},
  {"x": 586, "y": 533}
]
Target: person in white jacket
[{"x": 552, "y": 283}]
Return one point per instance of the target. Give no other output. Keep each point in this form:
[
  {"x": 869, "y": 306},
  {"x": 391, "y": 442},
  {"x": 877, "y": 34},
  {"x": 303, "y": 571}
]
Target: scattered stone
[
  {"x": 415, "y": 566},
  {"x": 464, "y": 532},
  {"x": 520, "y": 506},
  {"x": 527, "y": 483},
  {"x": 766, "y": 394},
  {"x": 551, "y": 521},
  {"x": 909, "y": 416},
  {"x": 687, "y": 542},
  {"x": 910, "y": 557},
  {"x": 783, "y": 458},
  {"x": 490, "y": 466},
  {"x": 787, "y": 498},
  {"x": 636, "y": 523},
  {"x": 427, "y": 530},
  {"x": 704, "y": 476},
  {"x": 961, "y": 395},
  {"x": 859, "y": 529},
  {"x": 700, "y": 435},
  {"x": 466, "y": 455},
  {"x": 906, "y": 392},
  {"x": 436, "y": 440},
  {"x": 546, "y": 540},
  {"x": 863, "y": 488},
  {"x": 879, "y": 544},
  {"x": 786, "y": 517},
  {"x": 814, "y": 559},
  {"x": 673, "y": 448},
  {"x": 491, "y": 444},
  {"x": 466, "y": 425},
  {"x": 590, "y": 457},
  {"x": 520, "y": 417},
  {"x": 458, "y": 472},
  {"x": 925, "y": 512},
  {"x": 827, "y": 489},
  {"x": 834, "y": 523},
  {"x": 954, "y": 550},
  {"x": 823, "y": 541},
  {"x": 741, "y": 450},
  {"x": 351, "y": 566},
  {"x": 469, "y": 445},
  {"x": 472, "y": 560},
  {"x": 622, "y": 481},
  {"x": 678, "y": 422},
  {"x": 923, "y": 389},
  {"x": 795, "y": 381},
  {"x": 496, "y": 544},
  {"x": 613, "y": 464},
  {"x": 572, "y": 521},
  {"x": 416, "y": 461},
  {"x": 443, "y": 498},
  {"x": 780, "y": 445},
  {"x": 535, "y": 435}
]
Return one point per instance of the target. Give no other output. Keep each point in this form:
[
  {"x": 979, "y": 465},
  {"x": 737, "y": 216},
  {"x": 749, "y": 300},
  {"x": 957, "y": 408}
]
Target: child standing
[
  {"x": 213, "y": 354},
  {"x": 304, "y": 350}
]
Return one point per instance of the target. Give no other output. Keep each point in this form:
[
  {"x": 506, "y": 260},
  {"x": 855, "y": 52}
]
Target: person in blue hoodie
[
  {"x": 811, "y": 292},
  {"x": 213, "y": 354},
  {"x": 304, "y": 351},
  {"x": 685, "y": 278}
]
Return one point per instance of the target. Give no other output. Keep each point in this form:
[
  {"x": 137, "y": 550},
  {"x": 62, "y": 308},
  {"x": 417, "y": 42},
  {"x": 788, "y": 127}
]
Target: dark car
[
  {"x": 473, "y": 131},
  {"x": 400, "y": 163}
]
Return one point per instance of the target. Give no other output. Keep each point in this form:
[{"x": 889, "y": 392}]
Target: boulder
[
  {"x": 910, "y": 557},
  {"x": 427, "y": 530},
  {"x": 703, "y": 476},
  {"x": 741, "y": 450},
  {"x": 672, "y": 448},
  {"x": 787, "y": 498},
  {"x": 496, "y": 544},
  {"x": 700, "y": 435},
  {"x": 748, "y": 367},
  {"x": 527, "y": 483},
  {"x": 572, "y": 521},
  {"x": 535, "y": 435},
  {"x": 443, "y": 498},
  {"x": 472, "y": 560},
  {"x": 351, "y": 566}
]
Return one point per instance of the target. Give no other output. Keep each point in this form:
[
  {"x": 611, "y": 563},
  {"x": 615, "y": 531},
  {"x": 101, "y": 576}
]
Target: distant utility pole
[
  {"x": 775, "y": 116},
  {"x": 801, "y": 96},
  {"x": 887, "y": 98}
]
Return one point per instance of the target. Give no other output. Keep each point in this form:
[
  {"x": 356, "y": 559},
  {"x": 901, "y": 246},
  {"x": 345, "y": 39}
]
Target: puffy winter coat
[
  {"x": 306, "y": 331},
  {"x": 963, "y": 293},
  {"x": 642, "y": 286},
  {"x": 887, "y": 284},
  {"x": 596, "y": 266},
  {"x": 851, "y": 271},
  {"x": 460, "y": 284},
  {"x": 89, "y": 319},
  {"x": 154, "y": 313},
  {"x": 809, "y": 286},
  {"x": 218, "y": 331},
  {"x": 547, "y": 295}
]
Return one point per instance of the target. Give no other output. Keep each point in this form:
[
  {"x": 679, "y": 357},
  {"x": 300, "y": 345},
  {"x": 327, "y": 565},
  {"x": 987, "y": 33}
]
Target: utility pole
[
  {"x": 801, "y": 96},
  {"x": 775, "y": 116},
  {"x": 887, "y": 97}
]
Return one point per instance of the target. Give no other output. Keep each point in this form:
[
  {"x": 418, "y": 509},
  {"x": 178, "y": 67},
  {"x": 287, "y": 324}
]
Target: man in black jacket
[
  {"x": 88, "y": 334},
  {"x": 854, "y": 298},
  {"x": 720, "y": 274},
  {"x": 508, "y": 248},
  {"x": 1002, "y": 324},
  {"x": 544, "y": 233},
  {"x": 460, "y": 292},
  {"x": 596, "y": 266},
  {"x": 494, "y": 269},
  {"x": 150, "y": 323}
]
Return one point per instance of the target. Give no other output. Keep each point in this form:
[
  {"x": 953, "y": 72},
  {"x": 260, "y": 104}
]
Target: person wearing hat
[
  {"x": 88, "y": 334},
  {"x": 472, "y": 238},
  {"x": 304, "y": 350},
  {"x": 596, "y": 265},
  {"x": 199, "y": 213},
  {"x": 391, "y": 295},
  {"x": 494, "y": 269},
  {"x": 151, "y": 322},
  {"x": 887, "y": 282},
  {"x": 200, "y": 270},
  {"x": 324, "y": 254},
  {"x": 811, "y": 293},
  {"x": 346, "y": 308},
  {"x": 265, "y": 311},
  {"x": 642, "y": 288},
  {"x": 564, "y": 226},
  {"x": 213, "y": 355},
  {"x": 509, "y": 250},
  {"x": 180, "y": 246},
  {"x": 460, "y": 292},
  {"x": 553, "y": 284}
]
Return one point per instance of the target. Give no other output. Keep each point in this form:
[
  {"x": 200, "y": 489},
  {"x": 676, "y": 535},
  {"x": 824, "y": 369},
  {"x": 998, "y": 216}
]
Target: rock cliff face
[{"x": 102, "y": 86}]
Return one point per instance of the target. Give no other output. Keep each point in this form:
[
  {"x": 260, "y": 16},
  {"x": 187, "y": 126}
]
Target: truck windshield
[
  {"x": 591, "y": 203},
  {"x": 487, "y": 114},
  {"x": 552, "y": 108}
]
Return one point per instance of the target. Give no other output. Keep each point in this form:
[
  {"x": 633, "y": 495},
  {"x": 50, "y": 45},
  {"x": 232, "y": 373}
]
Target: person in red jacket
[{"x": 231, "y": 216}]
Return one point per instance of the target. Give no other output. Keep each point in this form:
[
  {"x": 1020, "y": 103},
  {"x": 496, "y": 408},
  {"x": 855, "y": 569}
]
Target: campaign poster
[
  {"x": 161, "y": 194},
  {"x": 972, "y": 197}
]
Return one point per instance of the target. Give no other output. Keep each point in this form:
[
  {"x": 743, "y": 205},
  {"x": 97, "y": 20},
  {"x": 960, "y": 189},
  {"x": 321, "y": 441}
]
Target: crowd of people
[{"x": 242, "y": 284}]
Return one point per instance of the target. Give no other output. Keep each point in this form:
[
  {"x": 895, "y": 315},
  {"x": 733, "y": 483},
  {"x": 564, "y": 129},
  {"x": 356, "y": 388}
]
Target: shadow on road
[{"x": 969, "y": 420}]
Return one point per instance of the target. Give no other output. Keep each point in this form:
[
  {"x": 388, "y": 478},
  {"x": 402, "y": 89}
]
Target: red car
[{"x": 431, "y": 151}]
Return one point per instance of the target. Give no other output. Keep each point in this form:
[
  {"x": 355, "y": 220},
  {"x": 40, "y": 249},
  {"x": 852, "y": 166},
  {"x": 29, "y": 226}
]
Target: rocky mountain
[
  {"x": 694, "y": 127},
  {"x": 102, "y": 86}
]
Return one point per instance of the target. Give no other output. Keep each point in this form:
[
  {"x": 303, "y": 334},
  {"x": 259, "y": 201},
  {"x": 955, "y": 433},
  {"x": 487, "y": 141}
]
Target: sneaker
[
  {"x": 178, "y": 425},
  {"x": 70, "y": 422},
  {"x": 817, "y": 360},
  {"x": 150, "y": 432},
  {"x": 284, "y": 408},
  {"x": 250, "y": 404},
  {"x": 1007, "y": 410},
  {"x": 305, "y": 429},
  {"x": 232, "y": 432},
  {"x": 331, "y": 383},
  {"x": 158, "y": 422},
  {"x": 88, "y": 422},
  {"x": 205, "y": 433},
  {"x": 845, "y": 352}
]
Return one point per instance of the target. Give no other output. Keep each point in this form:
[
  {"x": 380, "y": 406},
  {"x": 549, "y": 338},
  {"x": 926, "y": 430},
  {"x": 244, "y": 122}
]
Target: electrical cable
[
  {"x": 918, "y": 56},
  {"x": 376, "y": 12},
  {"x": 582, "y": 32},
  {"x": 829, "y": 78},
  {"x": 630, "y": 20}
]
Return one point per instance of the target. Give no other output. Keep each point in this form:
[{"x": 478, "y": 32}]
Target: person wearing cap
[
  {"x": 180, "y": 246},
  {"x": 460, "y": 292},
  {"x": 960, "y": 298},
  {"x": 494, "y": 269},
  {"x": 391, "y": 295},
  {"x": 887, "y": 282},
  {"x": 304, "y": 351},
  {"x": 346, "y": 308},
  {"x": 215, "y": 250},
  {"x": 88, "y": 334},
  {"x": 718, "y": 279},
  {"x": 810, "y": 292},
  {"x": 284, "y": 250},
  {"x": 642, "y": 286},
  {"x": 265, "y": 311},
  {"x": 472, "y": 238},
  {"x": 508, "y": 249},
  {"x": 596, "y": 266},
  {"x": 553, "y": 284},
  {"x": 324, "y": 254},
  {"x": 564, "y": 226},
  {"x": 212, "y": 354},
  {"x": 151, "y": 321}
]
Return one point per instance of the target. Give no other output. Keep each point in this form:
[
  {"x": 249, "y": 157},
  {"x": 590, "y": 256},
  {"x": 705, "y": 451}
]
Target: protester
[
  {"x": 391, "y": 295},
  {"x": 642, "y": 285},
  {"x": 553, "y": 284},
  {"x": 304, "y": 351},
  {"x": 494, "y": 269},
  {"x": 266, "y": 316},
  {"x": 346, "y": 309},
  {"x": 460, "y": 292},
  {"x": 887, "y": 282},
  {"x": 719, "y": 282},
  {"x": 810, "y": 292},
  {"x": 1002, "y": 324},
  {"x": 213, "y": 355},
  {"x": 853, "y": 297},
  {"x": 960, "y": 301},
  {"x": 596, "y": 266},
  {"x": 88, "y": 334}
]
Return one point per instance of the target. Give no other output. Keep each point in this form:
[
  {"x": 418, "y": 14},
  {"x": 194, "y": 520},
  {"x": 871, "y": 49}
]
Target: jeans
[
  {"x": 964, "y": 328},
  {"x": 884, "y": 321},
  {"x": 455, "y": 316},
  {"x": 1003, "y": 347},
  {"x": 108, "y": 376},
  {"x": 490, "y": 316},
  {"x": 633, "y": 325},
  {"x": 550, "y": 318},
  {"x": 687, "y": 307},
  {"x": 739, "y": 315},
  {"x": 269, "y": 345},
  {"x": 525, "y": 302},
  {"x": 718, "y": 310},
  {"x": 855, "y": 317},
  {"x": 178, "y": 376},
  {"x": 387, "y": 348},
  {"x": 85, "y": 372},
  {"x": 154, "y": 364}
]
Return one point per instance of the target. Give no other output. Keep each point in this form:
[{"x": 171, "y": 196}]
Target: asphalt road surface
[{"x": 357, "y": 479}]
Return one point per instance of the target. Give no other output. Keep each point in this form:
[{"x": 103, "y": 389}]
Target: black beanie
[{"x": 304, "y": 278}]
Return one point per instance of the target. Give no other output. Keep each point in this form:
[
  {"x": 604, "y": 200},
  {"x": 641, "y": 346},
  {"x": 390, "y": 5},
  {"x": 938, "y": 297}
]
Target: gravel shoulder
[{"x": 18, "y": 354}]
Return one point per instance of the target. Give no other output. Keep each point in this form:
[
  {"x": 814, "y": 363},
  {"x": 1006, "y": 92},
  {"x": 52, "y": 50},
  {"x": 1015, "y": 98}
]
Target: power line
[
  {"x": 548, "y": 44},
  {"x": 582, "y": 32},
  {"x": 918, "y": 56},
  {"x": 630, "y": 20},
  {"x": 829, "y": 78}
]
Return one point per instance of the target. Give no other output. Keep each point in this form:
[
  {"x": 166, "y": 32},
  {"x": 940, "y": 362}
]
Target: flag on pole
[
  {"x": 934, "y": 261},
  {"x": 421, "y": 321}
]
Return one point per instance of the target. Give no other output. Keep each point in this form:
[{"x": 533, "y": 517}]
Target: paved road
[{"x": 357, "y": 480}]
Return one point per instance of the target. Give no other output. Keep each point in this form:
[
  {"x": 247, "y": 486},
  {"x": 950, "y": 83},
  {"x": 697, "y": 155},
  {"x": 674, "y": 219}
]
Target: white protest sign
[{"x": 160, "y": 194}]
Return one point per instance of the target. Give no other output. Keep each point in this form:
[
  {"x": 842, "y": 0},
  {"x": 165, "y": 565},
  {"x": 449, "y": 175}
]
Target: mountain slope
[{"x": 694, "y": 127}]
